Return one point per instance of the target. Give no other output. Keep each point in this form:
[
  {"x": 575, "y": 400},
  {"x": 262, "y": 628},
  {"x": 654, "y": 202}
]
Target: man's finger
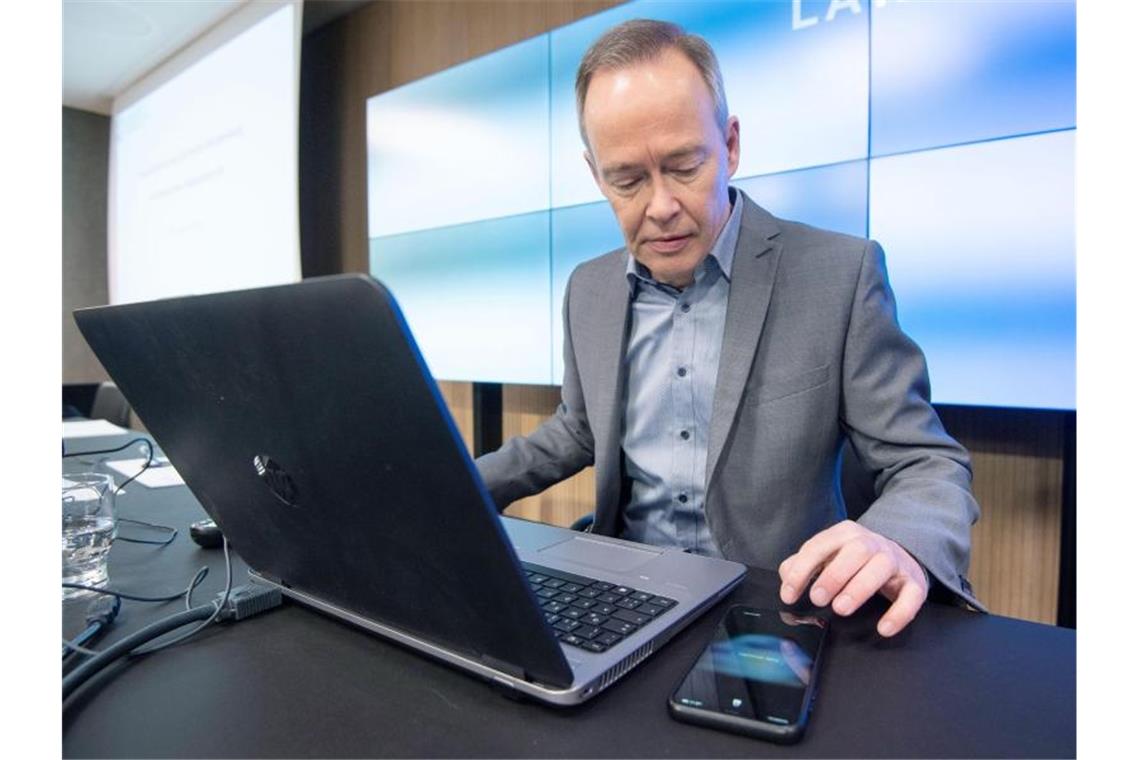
[
  {"x": 874, "y": 574},
  {"x": 797, "y": 570},
  {"x": 905, "y": 607},
  {"x": 839, "y": 570}
]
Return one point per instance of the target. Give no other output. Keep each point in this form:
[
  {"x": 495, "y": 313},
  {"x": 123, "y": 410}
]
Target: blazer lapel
[{"x": 753, "y": 275}]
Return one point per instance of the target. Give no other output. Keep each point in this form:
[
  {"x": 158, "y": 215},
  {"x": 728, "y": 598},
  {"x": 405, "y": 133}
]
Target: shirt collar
[{"x": 720, "y": 256}]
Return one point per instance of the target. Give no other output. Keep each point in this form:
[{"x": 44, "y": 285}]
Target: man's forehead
[
  {"x": 662, "y": 102},
  {"x": 669, "y": 71}
]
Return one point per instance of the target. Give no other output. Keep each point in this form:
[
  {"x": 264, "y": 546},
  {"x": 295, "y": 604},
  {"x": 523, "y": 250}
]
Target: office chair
[
  {"x": 102, "y": 401},
  {"x": 78, "y": 399}
]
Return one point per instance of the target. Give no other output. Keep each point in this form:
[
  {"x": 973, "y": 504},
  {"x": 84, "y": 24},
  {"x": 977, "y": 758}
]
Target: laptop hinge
[
  {"x": 504, "y": 667},
  {"x": 273, "y": 579}
]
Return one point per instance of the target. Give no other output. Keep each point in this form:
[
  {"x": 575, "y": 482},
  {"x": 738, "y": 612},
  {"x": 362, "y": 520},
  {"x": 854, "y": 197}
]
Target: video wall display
[{"x": 944, "y": 130}]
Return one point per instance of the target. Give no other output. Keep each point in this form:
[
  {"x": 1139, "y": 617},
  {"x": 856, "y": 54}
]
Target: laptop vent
[{"x": 623, "y": 667}]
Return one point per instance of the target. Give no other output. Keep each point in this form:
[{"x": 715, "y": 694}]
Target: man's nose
[{"x": 663, "y": 204}]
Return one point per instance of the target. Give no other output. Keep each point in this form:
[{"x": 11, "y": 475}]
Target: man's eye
[
  {"x": 686, "y": 172},
  {"x": 625, "y": 185}
]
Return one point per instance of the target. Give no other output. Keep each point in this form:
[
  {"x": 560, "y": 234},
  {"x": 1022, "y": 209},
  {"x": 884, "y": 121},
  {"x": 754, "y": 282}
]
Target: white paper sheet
[
  {"x": 158, "y": 475},
  {"x": 90, "y": 428}
]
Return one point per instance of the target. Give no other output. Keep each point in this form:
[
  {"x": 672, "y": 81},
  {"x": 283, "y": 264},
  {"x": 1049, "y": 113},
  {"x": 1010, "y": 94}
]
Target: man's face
[{"x": 662, "y": 161}]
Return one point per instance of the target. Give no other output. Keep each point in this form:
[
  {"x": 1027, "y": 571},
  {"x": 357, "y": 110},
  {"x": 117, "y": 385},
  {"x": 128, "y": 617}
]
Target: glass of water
[{"x": 88, "y": 529}]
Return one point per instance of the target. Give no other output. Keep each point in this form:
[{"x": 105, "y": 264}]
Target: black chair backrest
[{"x": 110, "y": 405}]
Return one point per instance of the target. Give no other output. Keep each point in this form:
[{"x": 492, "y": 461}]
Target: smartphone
[{"x": 757, "y": 676}]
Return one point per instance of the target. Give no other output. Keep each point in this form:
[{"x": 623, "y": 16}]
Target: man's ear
[{"x": 732, "y": 143}]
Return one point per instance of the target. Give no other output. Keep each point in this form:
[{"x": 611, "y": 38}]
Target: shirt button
[
  {"x": 681, "y": 372},
  {"x": 685, "y": 435},
  {"x": 683, "y": 498},
  {"x": 685, "y": 308}
]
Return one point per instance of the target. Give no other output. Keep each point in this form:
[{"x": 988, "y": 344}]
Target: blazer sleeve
[
  {"x": 922, "y": 475},
  {"x": 560, "y": 447}
]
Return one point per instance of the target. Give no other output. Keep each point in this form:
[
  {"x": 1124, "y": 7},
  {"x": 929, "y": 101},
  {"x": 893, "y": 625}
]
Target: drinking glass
[{"x": 88, "y": 529}]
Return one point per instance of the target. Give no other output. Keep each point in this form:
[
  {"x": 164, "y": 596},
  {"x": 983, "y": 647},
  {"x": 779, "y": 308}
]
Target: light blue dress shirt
[{"x": 671, "y": 364}]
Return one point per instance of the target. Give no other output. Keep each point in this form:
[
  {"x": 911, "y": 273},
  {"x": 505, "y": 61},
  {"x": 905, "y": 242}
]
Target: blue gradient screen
[{"x": 943, "y": 129}]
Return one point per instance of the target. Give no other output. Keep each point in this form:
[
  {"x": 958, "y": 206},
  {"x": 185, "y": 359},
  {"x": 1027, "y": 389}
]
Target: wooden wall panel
[
  {"x": 524, "y": 409},
  {"x": 460, "y": 400},
  {"x": 437, "y": 35},
  {"x": 1017, "y": 457},
  {"x": 561, "y": 12},
  {"x": 367, "y": 70}
]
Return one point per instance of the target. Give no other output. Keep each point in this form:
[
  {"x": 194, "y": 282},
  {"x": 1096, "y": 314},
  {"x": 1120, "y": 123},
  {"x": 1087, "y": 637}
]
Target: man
[{"x": 717, "y": 363}]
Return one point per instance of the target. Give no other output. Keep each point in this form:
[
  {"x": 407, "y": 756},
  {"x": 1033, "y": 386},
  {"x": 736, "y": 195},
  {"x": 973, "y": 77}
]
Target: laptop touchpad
[{"x": 605, "y": 556}]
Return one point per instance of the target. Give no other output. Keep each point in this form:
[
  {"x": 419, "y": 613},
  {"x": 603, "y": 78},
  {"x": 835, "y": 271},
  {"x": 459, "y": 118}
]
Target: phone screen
[{"x": 759, "y": 666}]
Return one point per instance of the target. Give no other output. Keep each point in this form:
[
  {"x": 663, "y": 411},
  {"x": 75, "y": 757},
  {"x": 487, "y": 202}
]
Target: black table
[{"x": 294, "y": 683}]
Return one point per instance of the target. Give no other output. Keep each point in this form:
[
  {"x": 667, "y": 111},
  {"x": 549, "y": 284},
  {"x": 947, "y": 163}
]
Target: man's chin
[{"x": 675, "y": 272}]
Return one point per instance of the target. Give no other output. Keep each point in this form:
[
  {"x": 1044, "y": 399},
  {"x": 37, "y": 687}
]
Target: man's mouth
[{"x": 668, "y": 243}]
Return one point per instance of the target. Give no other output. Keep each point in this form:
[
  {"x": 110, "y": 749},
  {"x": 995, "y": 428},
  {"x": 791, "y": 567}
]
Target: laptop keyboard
[{"x": 588, "y": 613}]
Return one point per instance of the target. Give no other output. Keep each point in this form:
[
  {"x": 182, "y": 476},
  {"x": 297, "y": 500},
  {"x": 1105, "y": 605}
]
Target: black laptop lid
[{"x": 304, "y": 420}]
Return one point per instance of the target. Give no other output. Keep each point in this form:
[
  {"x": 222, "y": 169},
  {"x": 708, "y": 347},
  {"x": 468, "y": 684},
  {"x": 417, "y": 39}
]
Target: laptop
[{"x": 306, "y": 423}]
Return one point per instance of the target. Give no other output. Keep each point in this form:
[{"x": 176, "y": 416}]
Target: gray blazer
[{"x": 812, "y": 354}]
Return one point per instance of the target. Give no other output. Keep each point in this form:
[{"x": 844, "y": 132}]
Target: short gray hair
[{"x": 640, "y": 40}]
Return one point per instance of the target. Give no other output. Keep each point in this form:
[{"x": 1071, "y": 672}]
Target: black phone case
[{"x": 789, "y": 734}]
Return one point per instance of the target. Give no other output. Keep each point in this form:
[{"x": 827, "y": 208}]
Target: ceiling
[{"x": 108, "y": 45}]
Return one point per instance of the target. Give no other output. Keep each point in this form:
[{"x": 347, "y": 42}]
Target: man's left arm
[{"x": 924, "y": 508}]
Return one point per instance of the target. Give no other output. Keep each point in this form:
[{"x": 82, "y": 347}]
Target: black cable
[
  {"x": 84, "y": 672},
  {"x": 218, "y": 606},
  {"x": 144, "y": 468},
  {"x": 173, "y": 532},
  {"x": 101, "y": 612},
  {"x": 244, "y": 602},
  {"x": 202, "y": 573},
  {"x": 146, "y": 465},
  {"x": 74, "y": 644},
  {"x": 135, "y": 644},
  {"x": 115, "y": 450}
]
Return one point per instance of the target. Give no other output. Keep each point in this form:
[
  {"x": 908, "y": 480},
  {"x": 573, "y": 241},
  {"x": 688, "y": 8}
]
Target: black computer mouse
[{"x": 206, "y": 534}]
